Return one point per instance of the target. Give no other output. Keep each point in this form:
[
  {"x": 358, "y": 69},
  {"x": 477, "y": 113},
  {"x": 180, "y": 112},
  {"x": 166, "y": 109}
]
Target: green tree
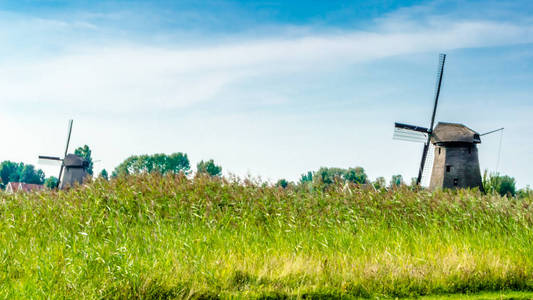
[
  {"x": 7, "y": 168},
  {"x": 507, "y": 186},
  {"x": 526, "y": 192},
  {"x": 501, "y": 184},
  {"x": 380, "y": 183},
  {"x": 283, "y": 183},
  {"x": 51, "y": 182},
  {"x": 356, "y": 175},
  {"x": 85, "y": 152},
  {"x": 396, "y": 180},
  {"x": 328, "y": 176},
  {"x": 208, "y": 167},
  {"x": 162, "y": 163},
  {"x": 332, "y": 175},
  {"x": 15, "y": 175},
  {"x": 177, "y": 163},
  {"x": 104, "y": 175},
  {"x": 306, "y": 178},
  {"x": 126, "y": 167},
  {"x": 28, "y": 174}
]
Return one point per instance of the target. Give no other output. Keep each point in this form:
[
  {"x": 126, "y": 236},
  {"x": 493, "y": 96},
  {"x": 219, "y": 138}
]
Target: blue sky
[{"x": 266, "y": 88}]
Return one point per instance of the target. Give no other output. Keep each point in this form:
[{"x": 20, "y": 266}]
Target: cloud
[
  {"x": 138, "y": 76},
  {"x": 135, "y": 76}
]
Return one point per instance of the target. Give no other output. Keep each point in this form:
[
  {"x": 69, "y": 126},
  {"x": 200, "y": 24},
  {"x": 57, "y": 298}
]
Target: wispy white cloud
[{"x": 138, "y": 76}]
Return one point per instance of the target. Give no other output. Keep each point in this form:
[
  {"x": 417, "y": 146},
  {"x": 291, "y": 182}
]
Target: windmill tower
[
  {"x": 456, "y": 162},
  {"x": 455, "y": 155},
  {"x": 75, "y": 166}
]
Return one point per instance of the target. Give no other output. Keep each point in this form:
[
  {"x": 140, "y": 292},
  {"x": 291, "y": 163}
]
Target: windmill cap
[
  {"x": 73, "y": 160},
  {"x": 454, "y": 133}
]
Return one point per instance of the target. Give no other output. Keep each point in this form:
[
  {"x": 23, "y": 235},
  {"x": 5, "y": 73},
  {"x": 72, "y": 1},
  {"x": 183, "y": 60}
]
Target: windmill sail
[
  {"x": 438, "y": 83},
  {"x": 66, "y": 151},
  {"x": 440, "y": 72},
  {"x": 428, "y": 166},
  {"x": 68, "y": 136},
  {"x": 50, "y": 160},
  {"x": 410, "y": 133}
]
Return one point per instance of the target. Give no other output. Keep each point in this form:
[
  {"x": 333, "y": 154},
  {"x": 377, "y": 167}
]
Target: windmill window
[
  {"x": 439, "y": 151},
  {"x": 448, "y": 169},
  {"x": 469, "y": 150},
  {"x": 455, "y": 181}
]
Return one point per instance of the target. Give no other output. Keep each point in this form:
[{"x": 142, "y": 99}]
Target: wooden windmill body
[
  {"x": 75, "y": 171},
  {"x": 456, "y": 162}
]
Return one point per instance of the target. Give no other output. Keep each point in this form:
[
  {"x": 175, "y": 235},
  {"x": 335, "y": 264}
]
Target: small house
[{"x": 15, "y": 187}]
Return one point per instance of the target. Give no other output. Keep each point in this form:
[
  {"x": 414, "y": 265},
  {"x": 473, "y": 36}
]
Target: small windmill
[
  {"x": 75, "y": 166},
  {"x": 421, "y": 134}
]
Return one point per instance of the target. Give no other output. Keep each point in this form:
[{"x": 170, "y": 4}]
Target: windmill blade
[
  {"x": 410, "y": 127},
  {"x": 59, "y": 177},
  {"x": 428, "y": 166},
  {"x": 66, "y": 151},
  {"x": 440, "y": 72},
  {"x": 49, "y": 160},
  {"x": 68, "y": 135},
  {"x": 409, "y": 135},
  {"x": 422, "y": 162}
]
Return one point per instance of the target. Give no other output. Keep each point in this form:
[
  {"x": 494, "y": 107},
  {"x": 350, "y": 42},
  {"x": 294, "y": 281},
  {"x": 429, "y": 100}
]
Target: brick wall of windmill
[{"x": 456, "y": 166}]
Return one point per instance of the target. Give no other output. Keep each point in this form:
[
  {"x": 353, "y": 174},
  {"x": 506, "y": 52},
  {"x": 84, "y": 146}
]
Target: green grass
[
  {"x": 507, "y": 295},
  {"x": 156, "y": 237}
]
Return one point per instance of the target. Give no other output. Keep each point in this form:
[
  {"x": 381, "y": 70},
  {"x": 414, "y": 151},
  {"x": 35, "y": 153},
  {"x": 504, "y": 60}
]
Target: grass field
[
  {"x": 165, "y": 237},
  {"x": 503, "y": 295}
]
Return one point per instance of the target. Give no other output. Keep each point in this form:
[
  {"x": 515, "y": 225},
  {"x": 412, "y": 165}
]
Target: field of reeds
[{"x": 156, "y": 237}]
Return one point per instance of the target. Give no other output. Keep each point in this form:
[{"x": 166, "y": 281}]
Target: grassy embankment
[{"x": 155, "y": 237}]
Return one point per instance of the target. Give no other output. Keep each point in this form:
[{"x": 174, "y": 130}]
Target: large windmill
[
  {"x": 75, "y": 166},
  {"x": 455, "y": 158}
]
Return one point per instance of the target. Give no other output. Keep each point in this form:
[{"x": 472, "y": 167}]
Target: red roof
[{"x": 14, "y": 187}]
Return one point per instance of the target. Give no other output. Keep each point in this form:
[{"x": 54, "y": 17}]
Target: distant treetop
[
  {"x": 161, "y": 163},
  {"x": 208, "y": 167},
  {"x": 85, "y": 152}
]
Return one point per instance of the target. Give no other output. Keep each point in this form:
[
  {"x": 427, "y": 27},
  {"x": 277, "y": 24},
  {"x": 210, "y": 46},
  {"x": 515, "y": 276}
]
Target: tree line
[
  {"x": 492, "y": 182},
  {"x": 135, "y": 164},
  {"x": 179, "y": 163},
  {"x": 164, "y": 163},
  {"x": 326, "y": 176}
]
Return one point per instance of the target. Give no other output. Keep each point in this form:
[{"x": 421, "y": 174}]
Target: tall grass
[{"x": 157, "y": 236}]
